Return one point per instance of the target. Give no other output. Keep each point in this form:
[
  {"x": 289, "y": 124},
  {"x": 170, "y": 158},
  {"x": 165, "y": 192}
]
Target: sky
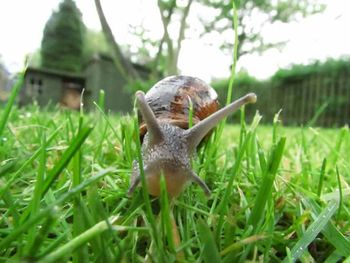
[{"x": 317, "y": 37}]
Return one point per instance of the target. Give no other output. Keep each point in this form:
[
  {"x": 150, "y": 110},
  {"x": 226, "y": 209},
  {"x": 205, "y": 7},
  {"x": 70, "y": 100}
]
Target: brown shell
[{"x": 169, "y": 100}]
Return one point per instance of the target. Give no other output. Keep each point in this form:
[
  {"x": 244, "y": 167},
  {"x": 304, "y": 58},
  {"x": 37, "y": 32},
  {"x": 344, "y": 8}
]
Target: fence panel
[
  {"x": 325, "y": 96},
  {"x": 301, "y": 100}
]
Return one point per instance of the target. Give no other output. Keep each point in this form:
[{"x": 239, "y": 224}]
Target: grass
[{"x": 278, "y": 193}]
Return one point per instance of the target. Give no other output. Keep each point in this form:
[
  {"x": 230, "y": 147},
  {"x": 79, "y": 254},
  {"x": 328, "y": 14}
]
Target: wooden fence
[{"x": 319, "y": 100}]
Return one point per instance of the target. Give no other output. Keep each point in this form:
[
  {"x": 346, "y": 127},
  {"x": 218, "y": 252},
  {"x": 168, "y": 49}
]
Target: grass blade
[
  {"x": 266, "y": 185},
  {"x": 209, "y": 251},
  {"x": 42, "y": 234},
  {"x": 145, "y": 195},
  {"x": 320, "y": 182},
  {"x": 235, "y": 50},
  {"x": 237, "y": 245},
  {"x": 334, "y": 155},
  {"x": 37, "y": 218},
  {"x": 340, "y": 192},
  {"x": 17, "y": 87},
  {"x": 83, "y": 238},
  {"x": 35, "y": 202},
  {"x": 102, "y": 99},
  {"x": 35, "y": 155},
  {"x": 166, "y": 222},
  {"x": 222, "y": 207},
  {"x": 313, "y": 230},
  {"x": 332, "y": 234},
  {"x": 66, "y": 157},
  {"x": 7, "y": 167}
]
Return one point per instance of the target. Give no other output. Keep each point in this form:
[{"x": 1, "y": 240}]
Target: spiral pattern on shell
[{"x": 169, "y": 100}]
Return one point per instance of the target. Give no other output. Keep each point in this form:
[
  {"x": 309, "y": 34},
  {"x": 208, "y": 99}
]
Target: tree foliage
[
  {"x": 4, "y": 80},
  {"x": 62, "y": 43},
  {"x": 167, "y": 49},
  {"x": 330, "y": 68},
  {"x": 216, "y": 18},
  {"x": 95, "y": 43},
  {"x": 253, "y": 17}
]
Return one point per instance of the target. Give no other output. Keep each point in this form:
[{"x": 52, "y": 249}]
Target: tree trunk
[
  {"x": 173, "y": 51},
  {"x": 182, "y": 30},
  {"x": 166, "y": 37},
  {"x": 123, "y": 65}
]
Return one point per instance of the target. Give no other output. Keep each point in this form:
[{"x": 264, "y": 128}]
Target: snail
[{"x": 168, "y": 143}]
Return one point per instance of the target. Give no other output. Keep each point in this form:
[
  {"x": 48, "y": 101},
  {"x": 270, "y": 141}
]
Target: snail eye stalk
[
  {"x": 153, "y": 127},
  {"x": 197, "y": 132}
]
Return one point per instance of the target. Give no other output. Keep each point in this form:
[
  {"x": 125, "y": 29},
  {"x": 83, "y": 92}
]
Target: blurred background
[{"x": 293, "y": 54}]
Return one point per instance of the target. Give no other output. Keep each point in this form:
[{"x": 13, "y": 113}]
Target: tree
[
  {"x": 95, "y": 43},
  {"x": 62, "y": 43},
  {"x": 124, "y": 65},
  {"x": 174, "y": 12},
  {"x": 4, "y": 79},
  {"x": 168, "y": 47},
  {"x": 167, "y": 10},
  {"x": 253, "y": 16}
]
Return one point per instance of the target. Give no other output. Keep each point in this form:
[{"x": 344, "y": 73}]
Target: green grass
[{"x": 278, "y": 194}]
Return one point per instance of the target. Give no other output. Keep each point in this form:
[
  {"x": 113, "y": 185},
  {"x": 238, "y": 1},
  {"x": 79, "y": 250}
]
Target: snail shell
[{"x": 169, "y": 100}]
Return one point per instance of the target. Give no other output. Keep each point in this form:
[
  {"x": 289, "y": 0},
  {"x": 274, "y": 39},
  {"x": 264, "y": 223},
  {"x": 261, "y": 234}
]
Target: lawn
[{"x": 278, "y": 193}]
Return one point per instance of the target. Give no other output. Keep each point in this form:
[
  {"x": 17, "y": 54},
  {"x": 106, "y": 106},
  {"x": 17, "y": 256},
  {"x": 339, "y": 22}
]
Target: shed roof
[
  {"x": 106, "y": 57},
  {"x": 55, "y": 72}
]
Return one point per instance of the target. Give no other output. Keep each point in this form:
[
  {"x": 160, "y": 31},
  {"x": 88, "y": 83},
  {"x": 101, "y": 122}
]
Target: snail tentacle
[
  {"x": 135, "y": 178},
  {"x": 198, "y": 132},
  {"x": 196, "y": 179},
  {"x": 133, "y": 185},
  {"x": 153, "y": 128}
]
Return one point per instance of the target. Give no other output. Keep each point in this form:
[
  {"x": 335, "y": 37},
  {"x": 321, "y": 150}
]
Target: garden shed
[
  {"x": 47, "y": 85},
  {"x": 65, "y": 88}
]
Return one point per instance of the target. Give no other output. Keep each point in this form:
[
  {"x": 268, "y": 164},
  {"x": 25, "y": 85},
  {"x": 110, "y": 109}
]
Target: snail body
[{"x": 168, "y": 142}]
